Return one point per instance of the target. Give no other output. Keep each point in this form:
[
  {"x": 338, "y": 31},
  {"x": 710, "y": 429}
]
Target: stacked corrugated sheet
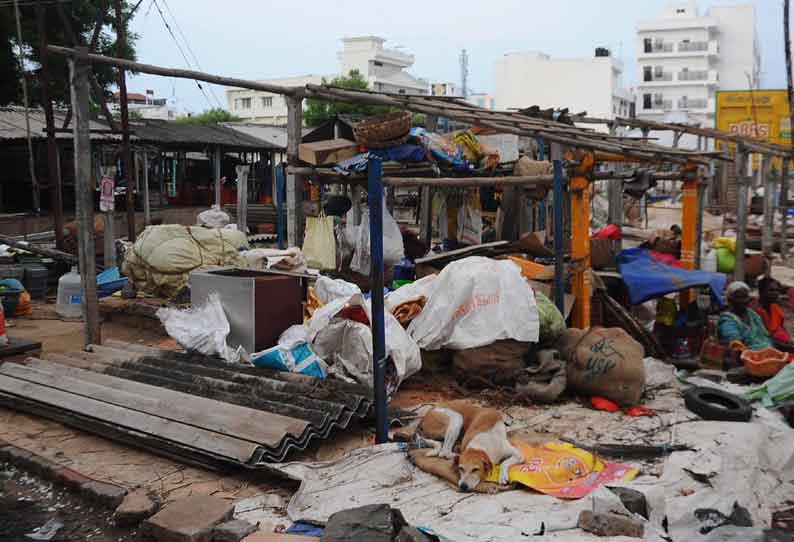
[{"x": 192, "y": 408}]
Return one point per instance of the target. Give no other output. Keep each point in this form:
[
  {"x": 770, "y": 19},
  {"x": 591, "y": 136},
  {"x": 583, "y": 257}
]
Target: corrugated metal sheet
[
  {"x": 277, "y": 135},
  {"x": 184, "y": 135},
  {"x": 188, "y": 407},
  {"x": 12, "y": 125}
]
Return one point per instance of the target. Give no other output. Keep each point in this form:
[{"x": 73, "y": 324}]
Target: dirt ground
[{"x": 30, "y": 506}]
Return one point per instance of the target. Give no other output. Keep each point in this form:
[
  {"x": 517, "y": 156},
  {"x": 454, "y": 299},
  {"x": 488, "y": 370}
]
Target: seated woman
[
  {"x": 772, "y": 314},
  {"x": 739, "y": 327}
]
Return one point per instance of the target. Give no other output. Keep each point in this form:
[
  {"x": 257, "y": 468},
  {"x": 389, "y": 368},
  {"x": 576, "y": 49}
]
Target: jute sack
[{"x": 604, "y": 362}]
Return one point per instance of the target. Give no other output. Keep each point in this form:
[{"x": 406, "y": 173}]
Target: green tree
[
  {"x": 82, "y": 16},
  {"x": 210, "y": 116},
  {"x": 319, "y": 111}
]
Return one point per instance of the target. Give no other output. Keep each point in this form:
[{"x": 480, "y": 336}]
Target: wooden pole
[
  {"x": 743, "y": 181},
  {"x": 242, "y": 197},
  {"x": 426, "y": 197},
  {"x": 579, "y": 188},
  {"x": 689, "y": 212},
  {"x": 110, "y": 239},
  {"x": 54, "y": 171},
  {"x": 294, "y": 182},
  {"x": 767, "y": 235},
  {"x": 147, "y": 210},
  {"x": 125, "y": 123},
  {"x": 79, "y": 71},
  {"x": 559, "y": 241},
  {"x": 217, "y": 167}
]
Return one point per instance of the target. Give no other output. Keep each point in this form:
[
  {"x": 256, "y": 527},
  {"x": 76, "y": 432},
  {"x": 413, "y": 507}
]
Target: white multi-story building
[
  {"x": 684, "y": 57},
  {"x": 144, "y": 106},
  {"x": 482, "y": 99},
  {"x": 384, "y": 70},
  {"x": 445, "y": 89},
  {"x": 592, "y": 85}
]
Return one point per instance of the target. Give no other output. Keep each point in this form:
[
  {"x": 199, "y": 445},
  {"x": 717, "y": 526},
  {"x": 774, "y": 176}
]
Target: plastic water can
[
  {"x": 70, "y": 295},
  {"x": 709, "y": 262}
]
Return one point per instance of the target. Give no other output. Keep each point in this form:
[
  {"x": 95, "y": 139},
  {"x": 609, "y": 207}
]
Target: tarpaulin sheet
[{"x": 647, "y": 278}]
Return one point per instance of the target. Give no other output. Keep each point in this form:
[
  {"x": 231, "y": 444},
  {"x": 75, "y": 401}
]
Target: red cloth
[
  {"x": 667, "y": 259},
  {"x": 610, "y": 231},
  {"x": 773, "y": 320}
]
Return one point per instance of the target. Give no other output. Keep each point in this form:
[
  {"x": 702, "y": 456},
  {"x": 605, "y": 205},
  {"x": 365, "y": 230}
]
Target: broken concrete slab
[
  {"x": 136, "y": 507},
  {"x": 604, "y": 524},
  {"x": 374, "y": 523},
  {"x": 633, "y": 500},
  {"x": 232, "y": 531},
  {"x": 412, "y": 534},
  {"x": 191, "y": 519},
  {"x": 103, "y": 493}
]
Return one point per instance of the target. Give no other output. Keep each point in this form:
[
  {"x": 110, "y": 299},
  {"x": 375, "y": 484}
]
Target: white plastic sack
[
  {"x": 319, "y": 243},
  {"x": 213, "y": 217},
  {"x": 414, "y": 291},
  {"x": 327, "y": 289},
  {"x": 475, "y": 302},
  {"x": 290, "y": 259},
  {"x": 346, "y": 345},
  {"x": 393, "y": 248},
  {"x": 201, "y": 329}
]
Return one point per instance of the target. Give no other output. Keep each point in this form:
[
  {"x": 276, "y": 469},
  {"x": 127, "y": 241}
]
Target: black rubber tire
[{"x": 714, "y": 404}]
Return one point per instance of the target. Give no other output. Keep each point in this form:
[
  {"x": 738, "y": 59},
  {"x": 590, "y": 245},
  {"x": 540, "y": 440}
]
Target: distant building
[
  {"x": 445, "y": 89},
  {"x": 384, "y": 70},
  {"x": 593, "y": 85},
  {"x": 684, "y": 58},
  {"x": 144, "y": 106},
  {"x": 482, "y": 99}
]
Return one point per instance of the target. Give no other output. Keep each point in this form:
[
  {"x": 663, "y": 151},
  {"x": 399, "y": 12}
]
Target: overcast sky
[{"x": 256, "y": 39}]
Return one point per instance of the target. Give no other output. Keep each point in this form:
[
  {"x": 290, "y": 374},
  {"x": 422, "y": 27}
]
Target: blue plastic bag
[{"x": 298, "y": 359}]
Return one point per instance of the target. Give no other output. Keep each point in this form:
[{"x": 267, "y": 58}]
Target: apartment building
[
  {"x": 684, "y": 57},
  {"x": 593, "y": 84},
  {"x": 144, "y": 106},
  {"x": 384, "y": 69}
]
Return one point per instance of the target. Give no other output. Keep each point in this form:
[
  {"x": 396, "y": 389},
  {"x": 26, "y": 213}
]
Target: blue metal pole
[
  {"x": 559, "y": 239},
  {"x": 375, "y": 199},
  {"x": 280, "y": 186}
]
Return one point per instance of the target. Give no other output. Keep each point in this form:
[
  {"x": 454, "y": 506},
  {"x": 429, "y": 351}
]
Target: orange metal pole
[
  {"x": 689, "y": 208},
  {"x": 580, "y": 243}
]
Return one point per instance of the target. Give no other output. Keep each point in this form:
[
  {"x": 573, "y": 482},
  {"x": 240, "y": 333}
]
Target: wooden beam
[
  {"x": 743, "y": 181},
  {"x": 181, "y": 74},
  {"x": 784, "y": 207},
  {"x": 294, "y": 181},
  {"x": 689, "y": 209},
  {"x": 79, "y": 71}
]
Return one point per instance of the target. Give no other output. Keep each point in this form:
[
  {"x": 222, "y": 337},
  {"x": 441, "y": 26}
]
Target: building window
[
  {"x": 647, "y": 73},
  {"x": 680, "y": 10},
  {"x": 242, "y": 103},
  {"x": 648, "y": 45},
  {"x": 646, "y": 101},
  {"x": 267, "y": 101},
  {"x": 377, "y": 63}
]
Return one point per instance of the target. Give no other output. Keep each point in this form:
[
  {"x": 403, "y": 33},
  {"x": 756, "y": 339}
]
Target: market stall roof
[
  {"x": 197, "y": 136},
  {"x": 277, "y": 135},
  {"x": 13, "y": 129}
]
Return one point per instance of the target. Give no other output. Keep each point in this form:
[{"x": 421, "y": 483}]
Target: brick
[
  {"x": 232, "y": 531},
  {"x": 187, "y": 520},
  {"x": 610, "y": 525},
  {"x": 70, "y": 478},
  {"x": 103, "y": 493},
  {"x": 137, "y": 506}
]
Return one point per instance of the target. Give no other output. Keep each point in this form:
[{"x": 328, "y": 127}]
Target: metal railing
[
  {"x": 690, "y": 103},
  {"x": 663, "y": 104},
  {"x": 693, "y": 75},
  {"x": 693, "y": 46},
  {"x": 660, "y": 48}
]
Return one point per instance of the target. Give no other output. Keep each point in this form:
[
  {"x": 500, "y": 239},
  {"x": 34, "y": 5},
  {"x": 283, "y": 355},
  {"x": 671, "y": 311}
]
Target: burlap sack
[
  {"x": 604, "y": 362},
  {"x": 497, "y": 364}
]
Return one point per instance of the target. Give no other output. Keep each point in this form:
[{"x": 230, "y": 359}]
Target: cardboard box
[{"x": 327, "y": 152}]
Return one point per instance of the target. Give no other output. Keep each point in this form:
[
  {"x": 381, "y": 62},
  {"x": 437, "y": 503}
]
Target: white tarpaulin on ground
[{"x": 751, "y": 464}]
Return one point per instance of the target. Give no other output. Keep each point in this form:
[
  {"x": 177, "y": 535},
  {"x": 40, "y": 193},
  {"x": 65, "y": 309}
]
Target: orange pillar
[
  {"x": 578, "y": 187},
  {"x": 689, "y": 209}
]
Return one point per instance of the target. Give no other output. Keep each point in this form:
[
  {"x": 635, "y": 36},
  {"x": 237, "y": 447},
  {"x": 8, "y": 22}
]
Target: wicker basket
[{"x": 383, "y": 131}]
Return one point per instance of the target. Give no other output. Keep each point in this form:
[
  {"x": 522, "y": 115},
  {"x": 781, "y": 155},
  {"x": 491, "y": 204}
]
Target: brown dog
[{"x": 484, "y": 442}]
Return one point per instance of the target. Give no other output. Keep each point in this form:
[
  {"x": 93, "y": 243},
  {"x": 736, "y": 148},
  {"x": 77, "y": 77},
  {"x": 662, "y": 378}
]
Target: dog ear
[{"x": 487, "y": 466}]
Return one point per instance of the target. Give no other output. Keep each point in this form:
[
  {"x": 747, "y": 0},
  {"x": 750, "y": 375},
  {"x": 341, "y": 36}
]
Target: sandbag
[
  {"x": 161, "y": 259},
  {"x": 475, "y": 302},
  {"x": 604, "y": 362},
  {"x": 497, "y": 364}
]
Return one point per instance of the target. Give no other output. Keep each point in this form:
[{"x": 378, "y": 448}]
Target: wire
[
  {"x": 189, "y": 48},
  {"x": 182, "y": 52}
]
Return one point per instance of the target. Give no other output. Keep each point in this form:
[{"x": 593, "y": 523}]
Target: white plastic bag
[
  {"x": 393, "y": 248},
  {"x": 346, "y": 345},
  {"x": 327, "y": 289},
  {"x": 319, "y": 243},
  {"x": 470, "y": 221},
  {"x": 414, "y": 291},
  {"x": 201, "y": 329},
  {"x": 476, "y": 301},
  {"x": 213, "y": 217}
]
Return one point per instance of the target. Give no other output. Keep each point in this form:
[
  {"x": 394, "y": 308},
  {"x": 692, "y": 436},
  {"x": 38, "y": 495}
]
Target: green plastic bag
[
  {"x": 726, "y": 260},
  {"x": 777, "y": 390},
  {"x": 552, "y": 323}
]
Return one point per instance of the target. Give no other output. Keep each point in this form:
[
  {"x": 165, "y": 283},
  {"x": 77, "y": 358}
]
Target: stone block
[
  {"x": 103, "y": 493},
  {"x": 373, "y": 523},
  {"x": 232, "y": 531},
  {"x": 633, "y": 500},
  {"x": 610, "y": 525},
  {"x": 191, "y": 519},
  {"x": 137, "y": 506}
]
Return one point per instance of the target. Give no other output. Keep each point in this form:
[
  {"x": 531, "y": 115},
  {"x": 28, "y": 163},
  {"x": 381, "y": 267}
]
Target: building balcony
[
  {"x": 681, "y": 49},
  {"x": 394, "y": 57},
  {"x": 708, "y": 77},
  {"x": 696, "y": 104},
  {"x": 657, "y": 106}
]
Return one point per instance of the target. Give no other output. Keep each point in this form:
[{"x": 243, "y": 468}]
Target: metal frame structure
[{"x": 585, "y": 149}]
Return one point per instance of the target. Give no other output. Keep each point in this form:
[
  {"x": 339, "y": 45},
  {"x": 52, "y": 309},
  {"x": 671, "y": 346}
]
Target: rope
[{"x": 31, "y": 163}]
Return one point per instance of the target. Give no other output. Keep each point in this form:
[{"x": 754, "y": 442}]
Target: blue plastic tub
[{"x": 109, "y": 282}]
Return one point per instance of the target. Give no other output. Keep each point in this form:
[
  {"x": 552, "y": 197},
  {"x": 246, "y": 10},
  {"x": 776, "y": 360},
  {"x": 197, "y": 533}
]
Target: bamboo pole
[
  {"x": 294, "y": 181},
  {"x": 743, "y": 181}
]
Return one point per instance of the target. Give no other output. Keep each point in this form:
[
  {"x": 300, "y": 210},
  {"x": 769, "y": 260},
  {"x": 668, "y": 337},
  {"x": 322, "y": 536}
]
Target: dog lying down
[{"x": 483, "y": 444}]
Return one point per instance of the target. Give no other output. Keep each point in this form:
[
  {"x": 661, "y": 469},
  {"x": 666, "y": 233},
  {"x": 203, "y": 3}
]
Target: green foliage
[
  {"x": 83, "y": 15},
  {"x": 210, "y": 116},
  {"x": 318, "y": 111}
]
